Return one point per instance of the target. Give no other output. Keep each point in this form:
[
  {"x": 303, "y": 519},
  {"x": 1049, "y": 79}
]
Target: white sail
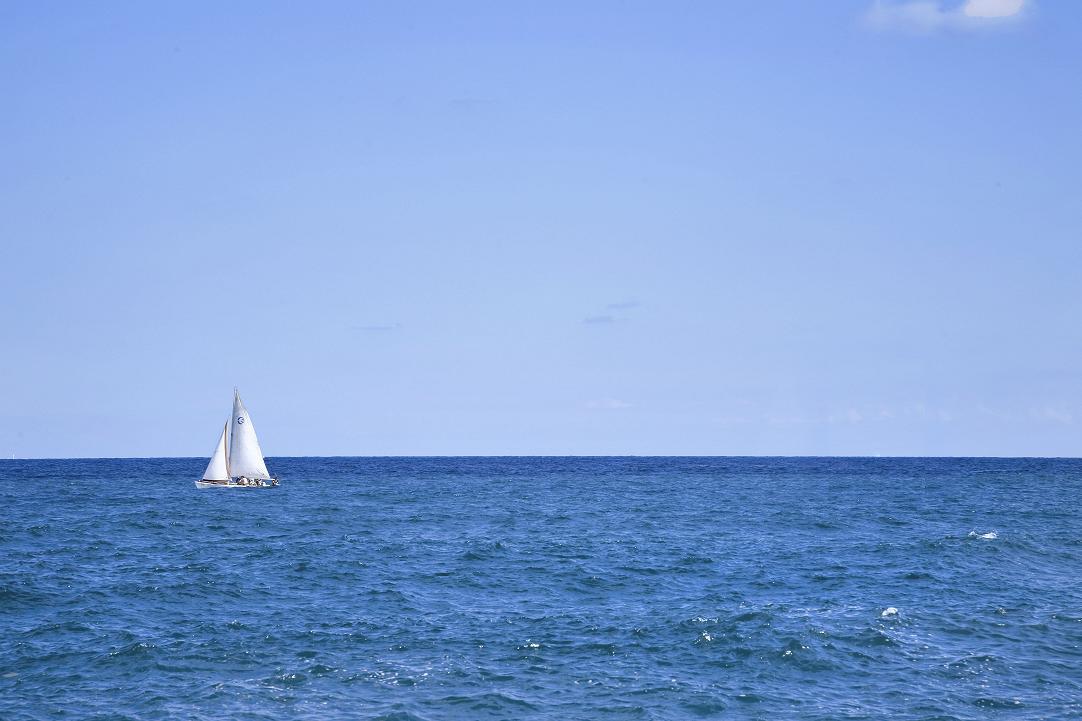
[
  {"x": 245, "y": 455},
  {"x": 218, "y": 468}
]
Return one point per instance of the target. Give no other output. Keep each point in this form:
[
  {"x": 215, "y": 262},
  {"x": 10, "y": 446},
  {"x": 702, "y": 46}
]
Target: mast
[{"x": 228, "y": 441}]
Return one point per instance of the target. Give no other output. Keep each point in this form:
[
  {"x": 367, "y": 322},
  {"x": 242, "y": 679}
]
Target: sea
[{"x": 543, "y": 588}]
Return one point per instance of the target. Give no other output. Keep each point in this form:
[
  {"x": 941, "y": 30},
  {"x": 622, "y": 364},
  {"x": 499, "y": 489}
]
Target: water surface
[{"x": 543, "y": 588}]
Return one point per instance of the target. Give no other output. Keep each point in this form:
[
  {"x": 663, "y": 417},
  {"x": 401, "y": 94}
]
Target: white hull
[{"x": 213, "y": 484}]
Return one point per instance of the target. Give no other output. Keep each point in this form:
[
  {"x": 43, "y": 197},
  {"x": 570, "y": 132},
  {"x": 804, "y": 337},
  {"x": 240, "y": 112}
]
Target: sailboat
[{"x": 238, "y": 460}]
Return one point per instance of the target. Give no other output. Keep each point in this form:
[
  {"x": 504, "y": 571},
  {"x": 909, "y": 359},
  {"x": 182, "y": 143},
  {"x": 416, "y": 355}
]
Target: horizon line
[{"x": 560, "y": 455}]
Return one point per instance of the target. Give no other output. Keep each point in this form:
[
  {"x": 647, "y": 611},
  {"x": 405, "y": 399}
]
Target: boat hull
[{"x": 231, "y": 484}]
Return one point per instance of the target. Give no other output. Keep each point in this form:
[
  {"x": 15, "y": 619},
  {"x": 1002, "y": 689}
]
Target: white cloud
[
  {"x": 926, "y": 16},
  {"x": 993, "y": 8}
]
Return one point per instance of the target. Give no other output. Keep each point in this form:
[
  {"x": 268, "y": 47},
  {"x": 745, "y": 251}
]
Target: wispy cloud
[
  {"x": 1053, "y": 414},
  {"x": 927, "y": 16},
  {"x": 608, "y": 404},
  {"x": 727, "y": 420},
  {"x": 612, "y": 317},
  {"x": 993, "y": 8},
  {"x": 468, "y": 103},
  {"x": 377, "y": 327},
  {"x": 850, "y": 415},
  {"x": 853, "y": 416}
]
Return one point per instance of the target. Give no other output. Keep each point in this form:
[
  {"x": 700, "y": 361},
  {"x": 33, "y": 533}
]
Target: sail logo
[{"x": 240, "y": 419}]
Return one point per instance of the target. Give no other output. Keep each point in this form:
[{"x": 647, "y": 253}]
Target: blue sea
[{"x": 543, "y": 588}]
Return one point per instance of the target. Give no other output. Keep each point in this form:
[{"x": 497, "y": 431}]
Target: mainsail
[
  {"x": 245, "y": 455},
  {"x": 218, "y": 468}
]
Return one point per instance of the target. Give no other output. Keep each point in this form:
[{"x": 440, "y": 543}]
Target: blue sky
[{"x": 513, "y": 228}]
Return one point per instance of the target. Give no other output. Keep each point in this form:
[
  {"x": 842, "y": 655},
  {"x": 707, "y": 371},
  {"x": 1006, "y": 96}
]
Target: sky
[{"x": 428, "y": 228}]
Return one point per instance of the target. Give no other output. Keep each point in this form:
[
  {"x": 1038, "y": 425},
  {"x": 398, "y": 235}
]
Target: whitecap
[
  {"x": 888, "y": 612},
  {"x": 989, "y": 536}
]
